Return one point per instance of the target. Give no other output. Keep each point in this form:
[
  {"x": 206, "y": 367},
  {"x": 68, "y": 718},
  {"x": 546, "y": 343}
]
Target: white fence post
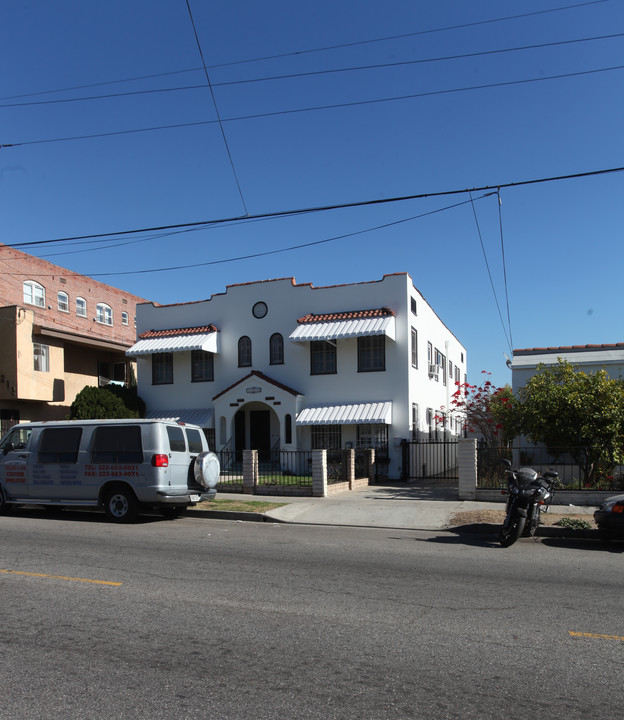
[
  {"x": 467, "y": 460},
  {"x": 319, "y": 473},
  {"x": 250, "y": 471}
]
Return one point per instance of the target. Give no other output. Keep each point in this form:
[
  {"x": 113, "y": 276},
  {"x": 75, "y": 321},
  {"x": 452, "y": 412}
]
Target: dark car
[{"x": 610, "y": 518}]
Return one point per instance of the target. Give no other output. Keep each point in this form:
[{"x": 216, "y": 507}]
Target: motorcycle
[{"x": 527, "y": 492}]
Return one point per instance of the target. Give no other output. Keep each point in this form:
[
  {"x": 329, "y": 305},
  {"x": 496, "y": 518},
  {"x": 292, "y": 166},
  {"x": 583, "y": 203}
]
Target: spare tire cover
[{"x": 207, "y": 469}]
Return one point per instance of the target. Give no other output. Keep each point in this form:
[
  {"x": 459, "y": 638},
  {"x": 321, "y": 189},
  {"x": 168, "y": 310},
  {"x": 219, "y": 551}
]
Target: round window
[{"x": 259, "y": 309}]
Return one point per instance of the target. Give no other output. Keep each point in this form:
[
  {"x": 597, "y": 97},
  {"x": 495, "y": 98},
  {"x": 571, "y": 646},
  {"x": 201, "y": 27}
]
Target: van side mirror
[{"x": 8, "y": 447}]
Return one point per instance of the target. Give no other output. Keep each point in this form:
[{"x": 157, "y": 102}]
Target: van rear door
[{"x": 179, "y": 462}]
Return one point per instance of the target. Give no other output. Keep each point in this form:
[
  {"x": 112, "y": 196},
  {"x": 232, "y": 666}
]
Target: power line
[
  {"x": 500, "y": 224},
  {"x": 334, "y": 106},
  {"x": 216, "y": 107},
  {"x": 487, "y": 265},
  {"x": 325, "y": 208},
  {"x": 264, "y": 253},
  {"x": 313, "y": 73},
  {"x": 309, "y": 51}
]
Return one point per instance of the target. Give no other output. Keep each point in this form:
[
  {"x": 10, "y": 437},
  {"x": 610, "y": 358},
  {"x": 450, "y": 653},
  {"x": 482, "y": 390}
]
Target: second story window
[
  {"x": 323, "y": 357},
  {"x": 244, "y": 352},
  {"x": 440, "y": 359},
  {"x": 276, "y": 349},
  {"x": 162, "y": 368},
  {"x": 63, "y": 302},
  {"x": 371, "y": 353},
  {"x": 34, "y": 294},
  {"x": 104, "y": 314},
  {"x": 202, "y": 366},
  {"x": 41, "y": 357},
  {"x": 124, "y": 318},
  {"x": 414, "y": 348},
  {"x": 81, "y": 307}
]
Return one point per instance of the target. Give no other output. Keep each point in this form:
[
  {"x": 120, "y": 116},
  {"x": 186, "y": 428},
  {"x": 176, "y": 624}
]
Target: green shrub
[{"x": 95, "y": 403}]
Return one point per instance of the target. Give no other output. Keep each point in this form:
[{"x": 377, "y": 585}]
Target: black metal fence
[
  {"x": 289, "y": 468},
  {"x": 231, "y": 476},
  {"x": 578, "y": 468},
  {"x": 426, "y": 459},
  {"x": 284, "y": 468}
]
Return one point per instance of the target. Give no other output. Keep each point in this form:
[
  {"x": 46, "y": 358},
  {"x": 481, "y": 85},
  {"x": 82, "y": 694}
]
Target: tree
[
  {"x": 483, "y": 409},
  {"x": 95, "y": 403},
  {"x": 574, "y": 412}
]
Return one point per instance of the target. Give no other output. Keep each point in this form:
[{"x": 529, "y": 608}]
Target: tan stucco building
[{"x": 59, "y": 331}]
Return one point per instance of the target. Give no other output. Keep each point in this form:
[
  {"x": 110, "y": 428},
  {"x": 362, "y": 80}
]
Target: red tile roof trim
[
  {"x": 176, "y": 332},
  {"x": 348, "y": 315}
]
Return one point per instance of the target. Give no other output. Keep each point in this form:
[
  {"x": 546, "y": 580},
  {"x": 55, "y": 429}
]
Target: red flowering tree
[{"x": 484, "y": 409}]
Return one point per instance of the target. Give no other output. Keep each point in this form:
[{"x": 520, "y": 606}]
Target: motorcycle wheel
[{"x": 511, "y": 530}]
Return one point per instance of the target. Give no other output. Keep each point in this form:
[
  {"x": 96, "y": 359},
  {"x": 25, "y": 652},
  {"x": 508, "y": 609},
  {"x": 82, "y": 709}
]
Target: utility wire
[
  {"x": 324, "y": 208},
  {"x": 264, "y": 253},
  {"x": 487, "y": 265},
  {"x": 309, "y": 51},
  {"x": 330, "y": 71},
  {"x": 294, "y": 111},
  {"x": 216, "y": 107},
  {"x": 500, "y": 224}
]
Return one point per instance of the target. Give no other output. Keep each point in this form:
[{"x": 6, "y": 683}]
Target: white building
[
  {"x": 588, "y": 358},
  {"x": 280, "y": 365}
]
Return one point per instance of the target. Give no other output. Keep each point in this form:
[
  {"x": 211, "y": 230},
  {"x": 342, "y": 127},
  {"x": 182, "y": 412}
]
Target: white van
[{"x": 120, "y": 465}]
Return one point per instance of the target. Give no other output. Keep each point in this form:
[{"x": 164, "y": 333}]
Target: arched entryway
[{"x": 256, "y": 427}]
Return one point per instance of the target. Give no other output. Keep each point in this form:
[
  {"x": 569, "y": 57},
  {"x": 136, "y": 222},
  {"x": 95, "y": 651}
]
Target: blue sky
[{"x": 561, "y": 240}]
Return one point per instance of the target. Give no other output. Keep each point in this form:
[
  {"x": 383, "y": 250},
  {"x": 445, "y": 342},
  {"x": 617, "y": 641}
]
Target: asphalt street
[{"x": 198, "y": 618}]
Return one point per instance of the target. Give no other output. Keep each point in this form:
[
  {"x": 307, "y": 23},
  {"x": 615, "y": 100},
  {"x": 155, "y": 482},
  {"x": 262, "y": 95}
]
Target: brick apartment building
[{"x": 59, "y": 331}]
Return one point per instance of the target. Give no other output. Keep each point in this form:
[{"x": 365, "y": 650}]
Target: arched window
[
  {"x": 104, "y": 314},
  {"x": 34, "y": 294},
  {"x": 124, "y": 318},
  {"x": 81, "y": 307},
  {"x": 276, "y": 349},
  {"x": 244, "y": 352},
  {"x": 63, "y": 301}
]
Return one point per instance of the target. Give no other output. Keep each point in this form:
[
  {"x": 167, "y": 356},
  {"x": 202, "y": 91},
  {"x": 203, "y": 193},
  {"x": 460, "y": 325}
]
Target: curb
[
  {"x": 230, "y": 515},
  {"x": 548, "y": 531}
]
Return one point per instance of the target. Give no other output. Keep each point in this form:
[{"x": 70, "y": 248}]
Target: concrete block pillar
[
  {"x": 250, "y": 471},
  {"x": 467, "y": 460},
  {"x": 319, "y": 473},
  {"x": 349, "y": 460}
]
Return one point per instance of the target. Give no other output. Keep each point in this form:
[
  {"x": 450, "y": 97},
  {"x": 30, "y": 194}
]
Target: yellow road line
[
  {"x": 596, "y": 635},
  {"x": 60, "y": 577}
]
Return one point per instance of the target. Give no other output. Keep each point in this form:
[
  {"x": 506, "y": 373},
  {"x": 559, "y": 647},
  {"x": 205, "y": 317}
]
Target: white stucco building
[
  {"x": 279, "y": 365},
  {"x": 588, "y": 358}
]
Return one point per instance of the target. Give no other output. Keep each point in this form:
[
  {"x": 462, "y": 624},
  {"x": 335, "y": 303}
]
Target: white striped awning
[
  {"x": 347, "y": 414},
  {"x": 204, "y": 417},
  {"x": 337, "y": 329},
  {"x": 175, "y": 343}
]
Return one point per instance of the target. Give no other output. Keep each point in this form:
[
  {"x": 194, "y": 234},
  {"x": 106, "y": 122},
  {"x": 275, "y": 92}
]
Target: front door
[{"x": 260, "y": 433}]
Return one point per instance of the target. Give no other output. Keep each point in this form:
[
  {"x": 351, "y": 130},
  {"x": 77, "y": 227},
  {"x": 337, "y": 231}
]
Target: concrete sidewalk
[{"x": 400, "y": 506}]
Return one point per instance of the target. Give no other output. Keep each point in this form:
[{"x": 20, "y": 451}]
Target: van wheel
[
  {"x": 120, "y": 505},
  {"x": 5, "y": 508}
]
